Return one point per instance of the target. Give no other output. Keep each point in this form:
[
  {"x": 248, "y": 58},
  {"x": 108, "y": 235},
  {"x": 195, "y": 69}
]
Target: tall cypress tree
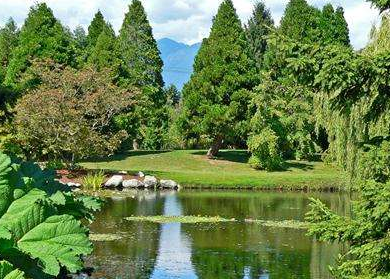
[
  {"x": 333, "y": 26},
  {"x": 95, "y": 29},
  {"x": 216, "y": 97},
  {"x": 8, "y": 42},
  {"x": 141, "y": 64},
  {"x": 103, "y": 54},
  {"x": 42, "y": 36},
  {"x": 300, "y": 21},
  {"x": 257, "y": 29}
]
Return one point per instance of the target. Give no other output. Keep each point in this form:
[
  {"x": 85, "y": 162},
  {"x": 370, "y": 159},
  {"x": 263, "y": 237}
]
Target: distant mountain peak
[{"x": 178, "y": 61}]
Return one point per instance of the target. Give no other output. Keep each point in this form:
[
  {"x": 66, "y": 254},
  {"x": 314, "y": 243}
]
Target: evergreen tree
[
  {"x": 299, "y": 21},
  {"x": 216, "y": 97},
  {"x": 95, "y": 29},
  {"x": 42, "y": 36},
  {"x": 103, "y": 54},
  {"x": 333, "y": 26},
  {"x": 257, "y": 29},
  {"x": 80, "y": 37},
  {"x": 141, "y": 64},
  {"x": 8, "y": 42}
]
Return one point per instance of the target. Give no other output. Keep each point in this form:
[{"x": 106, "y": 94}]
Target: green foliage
[
  {"x": 366, "y": 233},
  {"x": 382, "y": 5},
  {"x": 95, "y": 29},
  {"x": 70, "y": 115},
  {"x": 40, "y": 223},
  {"x": 375, "y": 163},
  {"x": 42, "y": 36},
  {"x": 103, "y": 53},
  {"x": 141, "y": 64},
  {"x": 265, "y": 151},
  {"x": 216, "y": 98},
  {"x": 258, "y": 28},
  {"x": 8, "y": 42},
  {"x": 94, "y": 181}
]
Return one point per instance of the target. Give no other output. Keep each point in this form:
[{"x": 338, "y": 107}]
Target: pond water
[{"x": 210, "y": 251}]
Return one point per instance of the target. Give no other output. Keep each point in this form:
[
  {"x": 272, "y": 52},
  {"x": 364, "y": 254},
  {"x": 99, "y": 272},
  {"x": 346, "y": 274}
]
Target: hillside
[{"x": 178, "y": 61}]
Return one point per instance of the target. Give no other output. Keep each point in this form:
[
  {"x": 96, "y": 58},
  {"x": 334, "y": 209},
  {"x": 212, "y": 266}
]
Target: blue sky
[{"x": 186, "y": 21}]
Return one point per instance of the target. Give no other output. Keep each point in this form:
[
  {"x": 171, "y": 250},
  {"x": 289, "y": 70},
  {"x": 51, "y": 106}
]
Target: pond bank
[{"x": 192, "y": 170}]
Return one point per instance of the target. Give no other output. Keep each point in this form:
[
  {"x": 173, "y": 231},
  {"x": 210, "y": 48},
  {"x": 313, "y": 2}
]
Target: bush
[
  {"x": 70, "y": 115},
  {"x": 264, "y": 149},
  {"x": 41, "y": 233}
]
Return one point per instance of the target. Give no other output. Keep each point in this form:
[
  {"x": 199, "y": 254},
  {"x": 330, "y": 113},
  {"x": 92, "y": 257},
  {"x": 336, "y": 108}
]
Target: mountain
[{"x": 178, "y": 61}]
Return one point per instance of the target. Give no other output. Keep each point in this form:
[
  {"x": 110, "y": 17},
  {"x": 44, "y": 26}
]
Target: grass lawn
[{"x": 192, "y": 169}]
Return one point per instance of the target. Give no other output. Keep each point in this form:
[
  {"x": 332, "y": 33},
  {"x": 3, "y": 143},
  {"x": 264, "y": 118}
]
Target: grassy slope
[{"x": 192, "y": 169}]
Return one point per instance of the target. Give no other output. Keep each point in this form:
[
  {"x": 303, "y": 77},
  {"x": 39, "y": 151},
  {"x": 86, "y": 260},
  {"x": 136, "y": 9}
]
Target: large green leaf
[
  {"x": 5, "y": 189},
  {"x": 7, "y": 271},
  {"x": 60, "y": 240},
  {"x": 26, "y": 213}
]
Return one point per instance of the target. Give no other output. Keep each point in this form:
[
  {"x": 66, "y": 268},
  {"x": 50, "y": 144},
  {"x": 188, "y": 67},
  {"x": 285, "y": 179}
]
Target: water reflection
[{"x": 207, "y": 251}]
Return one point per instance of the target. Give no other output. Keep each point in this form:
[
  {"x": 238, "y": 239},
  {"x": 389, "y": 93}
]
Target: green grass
[{"x": 192, "y": 169}]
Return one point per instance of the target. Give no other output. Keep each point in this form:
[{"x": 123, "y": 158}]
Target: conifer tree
[
  {"x": 299, "y": 21},
  {"x": 141, "y": 64},
  {"x": 42, "y": 36},
  {"x": 216, "y": 97},
  {"x": 257, "y": 29},
  {"x": 80, "y": 37},
  {"x": 103, "y": 54},
  {"x": 8, "y": 42},
  {"x": 95, "y": 29},
  {"x": 333, "y": 26}
]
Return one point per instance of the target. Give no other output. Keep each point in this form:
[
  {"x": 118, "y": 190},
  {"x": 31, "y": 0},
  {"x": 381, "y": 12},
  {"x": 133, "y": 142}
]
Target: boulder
[
  {"x": 73, "y": 185},
  {"x": 133, "y": 183},
  {"x": 114, "y": 181},
  {"x": 150, "y": 181},
  {"x": 169, "y": 184},
  {"x": 123, "y": 172},
  {"x": 141, "y": 174}
]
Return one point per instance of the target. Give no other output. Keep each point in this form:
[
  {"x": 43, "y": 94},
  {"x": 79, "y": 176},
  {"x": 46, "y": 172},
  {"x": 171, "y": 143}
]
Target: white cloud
[{"x": 184, "y": 20}]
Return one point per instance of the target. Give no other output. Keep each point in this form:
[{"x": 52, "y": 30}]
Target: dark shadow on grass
[
  {"x": 122, "y": 156},
  {"x": 236, "y": 156},
  {"x": 297, "y": 165}
]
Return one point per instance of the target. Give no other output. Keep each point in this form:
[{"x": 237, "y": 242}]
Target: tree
[
  {"x": 382, "y": 5},
  {"x": 333, "y": 26},
  {"x": 95, "y": 29},
  {"x": 257, "y": 29},
  {"x": 42, "y": 36},
  {"x": 70, "y": 115},
  {"x": 80, "y": 37},
  {"x": 299, "y": 21},
  {"x": 141, "y": 64},
  {"x": 8, "y": 42},
  {"x": 173, "y": 95},
  {"x": 215, "y": 100},
  {"x": 103, "y": 53}
]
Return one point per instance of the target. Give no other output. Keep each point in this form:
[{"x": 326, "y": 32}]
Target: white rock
[
  {"x": 73, "y": 185},
  {"x": 123, "y": 172},
  {"x": 133, "y": 183},
  {"x": 150, "y": 181},
  {"x": 114, "y": 181},
  {"x": 141, "y": 174},
  {"x": 169, "y": 184}
]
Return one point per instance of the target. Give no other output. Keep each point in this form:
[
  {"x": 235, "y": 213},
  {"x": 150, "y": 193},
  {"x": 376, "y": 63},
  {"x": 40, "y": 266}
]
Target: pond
[{"x": 216, "y": 250}]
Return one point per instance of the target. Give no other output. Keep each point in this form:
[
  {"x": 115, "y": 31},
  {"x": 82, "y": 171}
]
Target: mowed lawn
[{"x": 191, "y": 168}]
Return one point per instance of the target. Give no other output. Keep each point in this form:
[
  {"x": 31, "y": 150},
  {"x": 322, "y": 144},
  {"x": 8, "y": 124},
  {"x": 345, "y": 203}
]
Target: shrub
[
  {"x": 70, "y": 115},
  {"x": 41, "y": 233},
  {"x": 264, "y": 149},
  {"x": 94, "y": 181}
]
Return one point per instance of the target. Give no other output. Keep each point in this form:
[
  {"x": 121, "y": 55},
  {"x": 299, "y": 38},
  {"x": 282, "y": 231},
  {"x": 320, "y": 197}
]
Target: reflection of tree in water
[{"x": 133, "y": 256}]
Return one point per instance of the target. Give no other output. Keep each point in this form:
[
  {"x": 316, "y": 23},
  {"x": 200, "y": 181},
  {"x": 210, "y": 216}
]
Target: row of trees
[{"x": 91, "y": 70}]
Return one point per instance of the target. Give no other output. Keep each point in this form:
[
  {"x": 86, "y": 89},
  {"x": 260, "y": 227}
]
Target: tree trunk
[{"x": 214, "y": 149}]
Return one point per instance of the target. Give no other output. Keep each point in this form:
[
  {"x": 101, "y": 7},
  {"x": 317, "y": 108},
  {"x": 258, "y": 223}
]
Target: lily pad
[
  {"x": 104, "y": 237},
  {"x": 286, "y": 224},
  {"x": 178, "y": 219}
]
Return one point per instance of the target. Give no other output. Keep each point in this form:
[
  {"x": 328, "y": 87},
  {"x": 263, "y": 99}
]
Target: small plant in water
[
  {"x": 178, "y": 219},
  {"x": 94, "y": 181}
]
